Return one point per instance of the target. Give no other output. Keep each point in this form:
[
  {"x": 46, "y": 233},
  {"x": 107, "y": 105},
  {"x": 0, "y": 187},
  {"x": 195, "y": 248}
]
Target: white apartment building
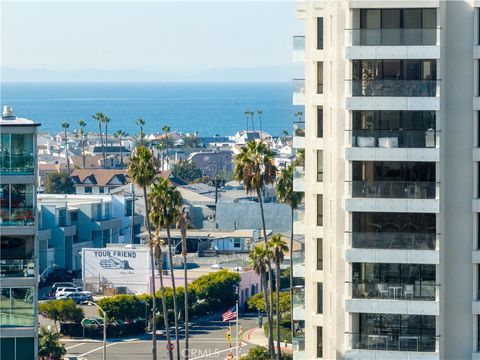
[{"x": 391, "y": 179}]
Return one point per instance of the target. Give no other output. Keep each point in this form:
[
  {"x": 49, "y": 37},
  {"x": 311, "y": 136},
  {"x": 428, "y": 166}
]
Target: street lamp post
[
  {"x": 44, "y": 271},
  {"x": 104, "y": 329}
]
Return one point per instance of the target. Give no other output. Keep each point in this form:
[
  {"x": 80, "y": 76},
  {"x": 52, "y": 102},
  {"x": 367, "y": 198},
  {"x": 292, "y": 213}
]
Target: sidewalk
[{"x": 256, "y": 336}]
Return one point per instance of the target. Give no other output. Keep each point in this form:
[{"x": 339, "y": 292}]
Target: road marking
[
  {"x": 71, "y": 347},
  {"x": 217, "y": 352},
  {"x": 100, "y": 348}
]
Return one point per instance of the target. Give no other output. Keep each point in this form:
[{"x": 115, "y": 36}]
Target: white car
[{"x": 63, "y": 291}]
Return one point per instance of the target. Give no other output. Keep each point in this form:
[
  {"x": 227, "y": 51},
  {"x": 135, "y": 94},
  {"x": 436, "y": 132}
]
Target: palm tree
[
  {"x": 106, "y": 120},
  {"x": 254, "y": 166},
  {"x": 119, "y": 135},
  {"x": 183, "y": 221},
  {"x": 160, "y": 147},
  {"x": 82, "y": 124},
  {"x": 169, "y": 202},
  {"x": 49, "y": 345},
  {"x": 155, "y": 244},
  {"x": 259, "y": 258},
  {"x": 284, "y": 136},
  {"x": 65, "y": 126},
  {"x": 142, "y": 170},
  {"x": 260, "y": 113},
  {"x": 277, "y": 247},
  {"x": 98, "y": 117},
  {"x": 166, "y": 130},
  {"x": 141, "y": 123},
  {"x": 246, "y": 113},
  {"x": 286, "y": 194}
]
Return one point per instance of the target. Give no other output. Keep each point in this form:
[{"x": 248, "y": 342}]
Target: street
[{"x": 207, "y": 341}]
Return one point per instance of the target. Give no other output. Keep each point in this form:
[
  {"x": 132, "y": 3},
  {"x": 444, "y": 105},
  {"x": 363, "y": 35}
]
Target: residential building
[
  {"x": 68, "y": 223},
  {"x": 18, "y": 243},
  {"x": 391, "y": 178},
  {"x": 98, "y": 181}
]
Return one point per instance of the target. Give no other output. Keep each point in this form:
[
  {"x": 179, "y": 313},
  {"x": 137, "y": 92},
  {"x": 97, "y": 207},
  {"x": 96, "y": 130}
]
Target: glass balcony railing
[
  {"x": 394, "y": 88},
  {"x": 17, "y": 307},
  {"x": 393, "y": 190},
  {"x": 298, "y": 343},
  {"x": 423, "y": 291},
  {"x": 16, "y": 164},
  {"x": 16, "y": 216},
  {"x": 298, "y": 48},
  {"x": 394, "y": 342},
  {"x": 395, "y": 138},
  {"x": 299, "y": 297},
  {"x": 394, "y": 37},
  {"x": 298, "y": 258},
  {"x": 17, "y": 268},
  {"x": 299, "y": 128},
  {"x": 298, "y": 91},
  {"x": 393, "y": 240}
]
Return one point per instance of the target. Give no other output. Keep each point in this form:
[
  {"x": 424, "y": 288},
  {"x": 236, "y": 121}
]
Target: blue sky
[{"x": 147, "y": 41}]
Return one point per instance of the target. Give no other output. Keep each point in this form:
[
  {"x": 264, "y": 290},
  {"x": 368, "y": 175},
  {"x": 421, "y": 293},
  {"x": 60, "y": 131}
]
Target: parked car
[
  {"x": 58, "y": 285},
  {"x": 68, "y": 290},
  {"x": 78, "y": 297}
]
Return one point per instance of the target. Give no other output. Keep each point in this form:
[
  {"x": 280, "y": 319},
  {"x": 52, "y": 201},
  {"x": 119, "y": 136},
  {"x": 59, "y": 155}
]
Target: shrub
[
  {"x": 216, "y": 289},
  {"x": 61, "y": 311},
  {"x": 257, "y": 303}
]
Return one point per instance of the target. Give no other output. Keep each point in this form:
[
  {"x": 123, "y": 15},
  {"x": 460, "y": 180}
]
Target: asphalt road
[{"x": 207, "y": 341}]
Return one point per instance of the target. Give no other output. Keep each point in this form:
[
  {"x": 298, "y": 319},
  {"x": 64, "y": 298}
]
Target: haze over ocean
[{"x": 204, "y": 107}]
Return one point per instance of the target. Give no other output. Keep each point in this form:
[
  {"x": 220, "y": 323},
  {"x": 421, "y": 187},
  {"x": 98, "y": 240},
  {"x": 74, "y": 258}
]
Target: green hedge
[{"x": 208, "y": 293}]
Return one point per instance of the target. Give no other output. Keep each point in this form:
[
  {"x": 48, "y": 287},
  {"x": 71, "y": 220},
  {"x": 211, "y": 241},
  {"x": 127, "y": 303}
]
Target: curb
[{"x": 246, "y": 338}]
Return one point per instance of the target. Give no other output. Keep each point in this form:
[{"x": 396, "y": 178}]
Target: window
[
  {"x": 398, "y": 26},
  {"x": 88, "y": 189},
  {"x": 320, "y": 33},
  {"x": 236, "y": 243},
  {"x": 16, "y": 153},
  {"x": 319, "y": 210},
  {"x": 319, "y": 341},
  {"x": 320, "y": 122},
  {"x": 62, "y": 217},
  {"x": 319, "y": 254},
  {"x": 101, "y": 189},
  {"x": 19, "y": 348},
  {"x": 17, "y": 307},
  {"x": 128, "y": 207},
  {"x": 319, "y": 165},
  {"x": 319, "y": 77},
  {"x": 16, "y": 204},
  {"x": 74, "y": 217},
  {"x": 319, "y": 298}
]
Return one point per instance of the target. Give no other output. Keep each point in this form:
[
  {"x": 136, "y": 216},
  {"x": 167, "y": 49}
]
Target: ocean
[{"x": 210, "y": 109}]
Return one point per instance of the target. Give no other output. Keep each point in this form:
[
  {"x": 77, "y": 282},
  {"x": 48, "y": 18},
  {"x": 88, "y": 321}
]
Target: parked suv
[
  {"x": 61, "y": 292},
  {"x": 78, "y": 297}
]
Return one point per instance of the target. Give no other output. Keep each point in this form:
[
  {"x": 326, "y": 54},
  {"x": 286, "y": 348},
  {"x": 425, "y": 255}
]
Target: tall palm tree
[
  {"x": 141, "y": 123},
  {"x": 284, "y": 136},
  {"x": 142, "y": 170},
  {"x": 65, "y": 127},
  {"x": 81, "y": 131},
  {"x": 155, "y": 201},
  {"x": 170, "y": 202},
  {"x": 166, "y": 130},
  {"x": 285, "y": 193},
  {"x": 98, "y": 117},
  {"x": 260, "y": 113},
  {"x": 183, "y": 221},
  {"x": 277, "y": 248},
  {"x": 160, "y": 147},
  {"x": 259, "y": 258},
  {"x": 119, "y": 135},
  {"x": 255, "y": 167},
  {"x": 246, "y": 113},
  {"x": 105, "y": 121}
]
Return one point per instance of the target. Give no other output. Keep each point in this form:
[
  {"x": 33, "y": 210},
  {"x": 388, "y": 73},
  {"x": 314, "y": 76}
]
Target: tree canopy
[
  {"x": 59, "y": 183},
  {"x": 187, "y": 171}
]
